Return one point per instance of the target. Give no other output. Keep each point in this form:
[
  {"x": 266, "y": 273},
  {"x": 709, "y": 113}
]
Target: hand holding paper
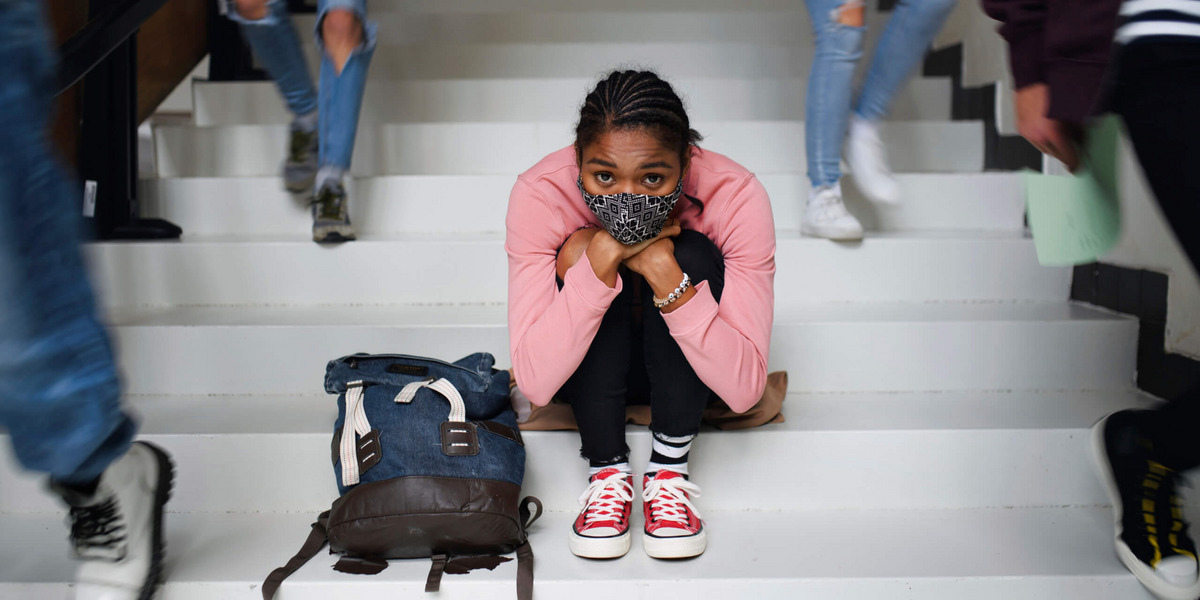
[{"x": 1077, "y": 219}]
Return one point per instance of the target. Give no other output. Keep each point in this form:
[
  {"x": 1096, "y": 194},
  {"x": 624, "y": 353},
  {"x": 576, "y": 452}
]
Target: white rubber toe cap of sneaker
[
  {"x": 841, "y": 229},
  {"x": 91, "y": 591},
  {"x": 1177, "y": 570},
  {"x": 667, "y": 532},
  {"x": 599, "y": 532}
]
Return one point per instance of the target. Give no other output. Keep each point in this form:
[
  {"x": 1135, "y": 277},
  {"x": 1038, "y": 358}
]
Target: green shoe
[
  {"x": 300, "y": 168},
  {"x": 331, "y": 221}
]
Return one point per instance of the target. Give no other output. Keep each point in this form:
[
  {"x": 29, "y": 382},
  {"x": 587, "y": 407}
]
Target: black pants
[
  {"x": 634, "y": 359},
  {"x": 1157, "y": 93}
]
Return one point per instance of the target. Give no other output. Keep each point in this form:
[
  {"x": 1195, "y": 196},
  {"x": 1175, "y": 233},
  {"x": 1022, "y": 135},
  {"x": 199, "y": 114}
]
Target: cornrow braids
[{"x": 636, "y": 100}]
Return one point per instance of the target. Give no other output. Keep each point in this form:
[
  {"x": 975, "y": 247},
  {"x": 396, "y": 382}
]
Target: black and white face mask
[{"x": 632, "y": 218}]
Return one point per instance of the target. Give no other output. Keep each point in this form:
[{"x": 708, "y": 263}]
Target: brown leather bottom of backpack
[{"x": 414, "y": 517}]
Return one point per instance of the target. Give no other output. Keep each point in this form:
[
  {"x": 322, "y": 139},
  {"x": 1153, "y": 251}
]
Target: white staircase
[{"x": 942, "y": 385}]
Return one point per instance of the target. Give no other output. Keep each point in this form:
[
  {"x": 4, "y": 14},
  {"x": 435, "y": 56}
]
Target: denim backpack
[{"x": 429, "y": 463}]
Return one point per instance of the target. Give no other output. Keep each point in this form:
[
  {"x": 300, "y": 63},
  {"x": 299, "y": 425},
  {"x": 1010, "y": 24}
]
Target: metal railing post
[{"x": 108, "y": 149}]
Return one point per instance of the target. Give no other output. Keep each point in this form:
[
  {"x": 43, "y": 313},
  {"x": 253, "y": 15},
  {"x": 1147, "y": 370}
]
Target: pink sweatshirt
[{"x": 550, "y": 331}]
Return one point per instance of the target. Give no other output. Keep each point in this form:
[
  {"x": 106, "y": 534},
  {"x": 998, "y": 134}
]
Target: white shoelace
[
  {"x": 606, "y": 498},
  {"x": 668, "y": 500},
  {"x": 99, "y": 531}
]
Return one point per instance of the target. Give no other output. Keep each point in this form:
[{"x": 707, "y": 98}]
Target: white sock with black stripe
[{"x": 670, "y": 453}]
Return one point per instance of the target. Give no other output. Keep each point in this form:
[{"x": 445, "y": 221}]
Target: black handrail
[
  {"x": 103, "y": 34},
  {"x": 104, "y": 56}
]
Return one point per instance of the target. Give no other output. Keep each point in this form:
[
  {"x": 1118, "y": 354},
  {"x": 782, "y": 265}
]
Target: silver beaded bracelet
[{"x": 675, "y": 295}]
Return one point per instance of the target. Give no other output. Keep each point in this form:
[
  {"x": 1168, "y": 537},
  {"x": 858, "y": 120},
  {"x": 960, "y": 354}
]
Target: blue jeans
[
  {"x": 59, "y": 395},
  {"x": 911, "y": 29},
  {"x": 339, "y": 100}
]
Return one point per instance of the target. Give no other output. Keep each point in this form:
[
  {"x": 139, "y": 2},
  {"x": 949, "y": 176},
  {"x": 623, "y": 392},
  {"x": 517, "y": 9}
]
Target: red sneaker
[
  {"x": 673, "y": 527},
  {"x": 602, "y": 528}
]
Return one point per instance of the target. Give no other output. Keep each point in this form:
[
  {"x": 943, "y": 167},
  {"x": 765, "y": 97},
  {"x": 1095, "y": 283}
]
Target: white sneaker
[
  {"x": 867, "y": 157},
  {"x": 117, "y": 532},
  {"x": 825, "y": 216}
]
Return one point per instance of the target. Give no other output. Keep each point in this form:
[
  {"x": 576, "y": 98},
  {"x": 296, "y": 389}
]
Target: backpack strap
[
  {"x": 458, "y": 408},
  {"x": 433, "y": 583},
  {"x": 525, "y": 571},
  {"x": 317, "y": 539},
  {"x": 525, "y": 551},
  {"x": 528, "y": 516},
  {"x": 355, "y": 424}
]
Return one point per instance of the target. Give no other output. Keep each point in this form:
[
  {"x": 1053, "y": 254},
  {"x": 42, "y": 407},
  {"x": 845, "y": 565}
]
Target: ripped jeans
[
  {"x": 275, "y": 42},
  {"x": 909, "y": 33}
]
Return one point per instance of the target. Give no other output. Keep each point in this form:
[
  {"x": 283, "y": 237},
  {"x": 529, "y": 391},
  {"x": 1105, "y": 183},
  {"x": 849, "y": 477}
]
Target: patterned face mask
[{"x": 632, "y": 218}]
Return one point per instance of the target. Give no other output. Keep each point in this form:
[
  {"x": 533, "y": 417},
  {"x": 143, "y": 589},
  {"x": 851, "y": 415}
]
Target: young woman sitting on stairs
[{"x": 620, "y": 292}]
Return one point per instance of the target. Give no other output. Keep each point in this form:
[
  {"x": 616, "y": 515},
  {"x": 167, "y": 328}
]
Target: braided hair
[{"x": 630, "y": 99}]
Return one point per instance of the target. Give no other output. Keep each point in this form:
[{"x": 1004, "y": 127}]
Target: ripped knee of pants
[
  {"x": 851, "y": 13},
  {"x": 341, "y": 28},
  {"x": 250, "y": 11}
]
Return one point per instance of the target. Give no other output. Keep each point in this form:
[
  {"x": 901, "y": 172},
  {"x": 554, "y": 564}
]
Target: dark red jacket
[{"x": 1066, "y": 44}]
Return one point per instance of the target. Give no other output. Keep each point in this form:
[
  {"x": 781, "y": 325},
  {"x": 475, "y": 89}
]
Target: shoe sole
[
  {"x": 606, "y": 547},
  {"x": 301, "y": 187},
  {"x": 1142, "y": 571},
  {"x": 166, "y": 480},
  {"x": 335, "y": 238},
  {"x": 837, "y": 236},
  {"x": 675, "y": 547},
  {"x": 878, "y": 200}
]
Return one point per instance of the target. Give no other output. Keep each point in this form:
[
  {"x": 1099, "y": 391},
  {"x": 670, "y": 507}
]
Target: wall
[
  {"x": 985, "y": 57},
  {"x": 1147, "y": 242}
]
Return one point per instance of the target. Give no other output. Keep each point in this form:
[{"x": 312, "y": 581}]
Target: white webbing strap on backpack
[
  {"x": 356, "y": 423},
  {"x": 458, "y": 408},
  {"x": 356, "y": 418}
]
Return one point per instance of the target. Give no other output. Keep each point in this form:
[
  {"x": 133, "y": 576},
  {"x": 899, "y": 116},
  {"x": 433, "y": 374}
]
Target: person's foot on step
[
  {"x": 1151, "y": 533},
  {"x": 867, "y": 157},
  {"x": 331, "y": 218},
  {"x": 300, "y": 168},
  {"x": 826, "y": 216},
  {"x": 117, "y": 529}
]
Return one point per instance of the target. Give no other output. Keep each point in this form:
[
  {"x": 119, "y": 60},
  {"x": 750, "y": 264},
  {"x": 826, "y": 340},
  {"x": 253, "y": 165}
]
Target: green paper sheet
[{"x": 1077, "y": 218}]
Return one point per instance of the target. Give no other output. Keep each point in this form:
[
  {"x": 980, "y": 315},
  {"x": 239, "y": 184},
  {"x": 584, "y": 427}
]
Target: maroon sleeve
[
  {"x": 1023, "y": 26},
  {"x": 1079, "y": 41},
  {"x": 1065, "y": 44}
]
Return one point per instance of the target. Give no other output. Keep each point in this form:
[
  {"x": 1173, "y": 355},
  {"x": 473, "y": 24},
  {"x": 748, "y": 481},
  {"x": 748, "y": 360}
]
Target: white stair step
[
  {"x": 283, "y": 350},
  {"x": 844, "y": 555},
  {"x": 430, "y": 268},
  {"x": 670, "y": 59},
  {"x": 512, "y": 148},
  {"x": 783, "y": 25},
  {"x": 637, "y": 7},
  {"x": 928, "y": 450},
  {"x": 408, "y": 204},
  {"x": 259, "y": 103}
]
